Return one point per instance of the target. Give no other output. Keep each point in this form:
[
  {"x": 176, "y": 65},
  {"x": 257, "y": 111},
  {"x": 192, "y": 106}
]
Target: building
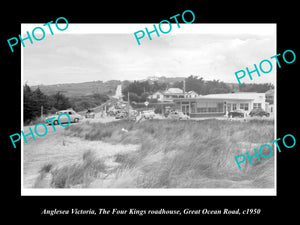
[
  {"x": 168, "y": 95},
  {"x": 220, "y": 104},
  {"x": 270, "y": 101},
  {"x": 191, "y": 94},
  {"x": 159, "y": 96},
  {"x": 173, "y": 93},
  {"x": 270, "y": 96}
]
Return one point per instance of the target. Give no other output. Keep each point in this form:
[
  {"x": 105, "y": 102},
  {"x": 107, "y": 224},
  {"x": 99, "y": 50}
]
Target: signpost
[{"x": 146, "y": 104}]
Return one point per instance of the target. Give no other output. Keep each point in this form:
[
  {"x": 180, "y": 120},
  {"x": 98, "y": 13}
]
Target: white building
[
  {"x": 242, "y": 100},
  {"x": 159, "y": 96},
  {"x": 220, "y": 104},
  {"x": 191, "y": 94}
]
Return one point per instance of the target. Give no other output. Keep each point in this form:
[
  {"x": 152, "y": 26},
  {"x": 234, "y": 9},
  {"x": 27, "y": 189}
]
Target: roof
[
  {"x": 228, "y": 96},
  {"x": 236, "y": 95},
  {"x": 174, "y": 91},
  {"x": 270, "y": 92},
  {"x": 157, "y": 92},
  {"x": 192, "y": 92}
]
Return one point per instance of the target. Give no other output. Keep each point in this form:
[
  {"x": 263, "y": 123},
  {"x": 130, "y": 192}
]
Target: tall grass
[
  {"x": 78, "y": 174},
  {"x": 194, "y": 154}
]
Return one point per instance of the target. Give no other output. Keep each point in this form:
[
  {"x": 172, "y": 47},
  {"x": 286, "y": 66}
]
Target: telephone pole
[{"x": 184, "y": 88}]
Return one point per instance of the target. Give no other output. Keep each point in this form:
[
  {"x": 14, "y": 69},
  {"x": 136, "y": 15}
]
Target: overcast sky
[{"x": 70, "y": 57}]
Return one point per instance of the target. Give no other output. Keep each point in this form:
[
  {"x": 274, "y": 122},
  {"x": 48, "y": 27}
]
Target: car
[
  {"x": 75, "y": 117},
  {"x": 121, "y": 115},
  {"x": 148, "y": 114},
  {"x": 90, "y": 114},
  {"x": 175, "y": 115},
  {"x": 259, "y": 112},
  {"x": 132, "y": 114},
  {"x": 236, "y": 113}
]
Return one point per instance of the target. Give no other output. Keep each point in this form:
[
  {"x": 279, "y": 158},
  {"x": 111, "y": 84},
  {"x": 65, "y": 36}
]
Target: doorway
[{"x": 185, "y": 109}]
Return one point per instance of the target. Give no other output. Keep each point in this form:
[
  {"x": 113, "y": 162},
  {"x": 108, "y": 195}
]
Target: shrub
[
  {"x": 194, "y": 154},
  {"x": 81, "y": 173}
]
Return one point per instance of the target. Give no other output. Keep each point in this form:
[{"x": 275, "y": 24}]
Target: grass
[
  {"x": 79, "y": 174},
  {"x": 183, "y": 154}
]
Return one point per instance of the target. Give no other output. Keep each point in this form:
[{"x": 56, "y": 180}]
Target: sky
[{"x": 105, "y": 52}]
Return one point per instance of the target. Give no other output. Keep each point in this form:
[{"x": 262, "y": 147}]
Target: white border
[{"x": 131, "y": 28}]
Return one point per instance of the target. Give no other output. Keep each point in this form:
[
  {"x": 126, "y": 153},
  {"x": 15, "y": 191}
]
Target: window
[
  {"x": 207, "y": 107},
  {"x": 233, "y": 106},
  {"x": 193, "y": 107},
  {"x": 201, "y": 110},
  {"x": 244, "y": 106},
  {"x": 256, "y": 105}
]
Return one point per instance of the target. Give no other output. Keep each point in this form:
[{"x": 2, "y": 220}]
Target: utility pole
[
  {"x": 128, "y": 102},
  {"x": 184, "y": 88}
]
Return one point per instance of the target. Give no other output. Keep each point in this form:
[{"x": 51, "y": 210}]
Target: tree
[
  {"x": 28, "y": 113},
  {"x": 60, "y": 101},
  {"x": 260, "y": 88}
]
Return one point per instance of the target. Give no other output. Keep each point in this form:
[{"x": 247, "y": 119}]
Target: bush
[
  {"x": 187, "y": 153},
  {"x": 81, "y": 173}
]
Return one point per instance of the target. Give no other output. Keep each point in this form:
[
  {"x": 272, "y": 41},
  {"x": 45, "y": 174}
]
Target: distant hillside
[
  {"x": 109, "y": 87},
  {"x": 80, "y": 89}
]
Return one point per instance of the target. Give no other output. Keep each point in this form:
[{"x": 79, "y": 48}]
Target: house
[
  {"x": 168, "y": 95},
  {"x": 220, "y": 104},
  {"x": 270, "y": 96},
  {"x": 191, "y": 94},
  {"x": 172, "y": 93},
  {"x": 159, "y": 96},
  {"x": 270, "y": 101}
]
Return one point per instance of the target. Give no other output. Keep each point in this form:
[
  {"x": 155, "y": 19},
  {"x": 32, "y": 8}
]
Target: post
[
  {"x": 128, "y": 102},
  {"x": 184, "y": 88}
]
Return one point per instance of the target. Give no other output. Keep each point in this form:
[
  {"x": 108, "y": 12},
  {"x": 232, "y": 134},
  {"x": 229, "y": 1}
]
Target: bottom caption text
[{"x": 142, "y": 212}]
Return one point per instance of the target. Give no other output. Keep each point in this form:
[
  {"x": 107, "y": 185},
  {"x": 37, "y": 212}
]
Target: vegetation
[
  {"x": 79, "y": 173},
  {"x": 260, "y": 88},
  {"x": 35, "y": 100},
  {"x": 185, "y": 154},
  {"x": 140, "y": 90},
  {"x": 86, "y": 95}
]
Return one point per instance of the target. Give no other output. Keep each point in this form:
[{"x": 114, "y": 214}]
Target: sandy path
[{"x": 58, "y": 149}]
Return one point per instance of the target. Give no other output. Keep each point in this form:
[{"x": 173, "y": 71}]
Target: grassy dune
[{"x": 174, "y": 154}]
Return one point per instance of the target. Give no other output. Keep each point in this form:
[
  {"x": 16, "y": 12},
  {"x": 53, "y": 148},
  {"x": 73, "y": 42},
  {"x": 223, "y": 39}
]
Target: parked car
[
  {"x": 236, "y": 113},
  {"x": 90, "y": 114},
  {"x": 132, "y": 114},
  {"x": 148, "y": 114},
  {"x": 75, "y": 117},
  {"x": 175, "y": 115},
  {"x": 121, "y": 115},
  {"x": 259, "y": 112}
]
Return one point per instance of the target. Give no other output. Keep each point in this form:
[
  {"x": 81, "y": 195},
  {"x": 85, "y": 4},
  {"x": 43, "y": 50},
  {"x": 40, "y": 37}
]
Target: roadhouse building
[{"x": 220, "y": 104}]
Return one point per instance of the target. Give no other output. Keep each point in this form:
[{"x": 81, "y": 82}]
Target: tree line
[
  {"x": 36, "y": 102},
  {"x": 139, "y": 91}
]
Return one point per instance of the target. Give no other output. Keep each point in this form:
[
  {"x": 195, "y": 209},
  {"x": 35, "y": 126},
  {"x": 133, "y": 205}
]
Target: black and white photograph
[
  {"x": 146, "y": 111},
  {"x": 168, "y": 116}
]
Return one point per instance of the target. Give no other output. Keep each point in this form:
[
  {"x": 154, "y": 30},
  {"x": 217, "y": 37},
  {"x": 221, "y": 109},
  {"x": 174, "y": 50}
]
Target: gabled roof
[
  {"x": 174, "y": 91},
  {"x": 270, "y": 92},
  {"x": 157, "y": 92},
  {"x": 192, "y": 92}
]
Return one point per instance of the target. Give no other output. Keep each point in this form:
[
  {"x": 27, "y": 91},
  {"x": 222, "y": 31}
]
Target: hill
[
  {"x": 80, "y": 89},
  {"x": 109, "y": 87}
]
